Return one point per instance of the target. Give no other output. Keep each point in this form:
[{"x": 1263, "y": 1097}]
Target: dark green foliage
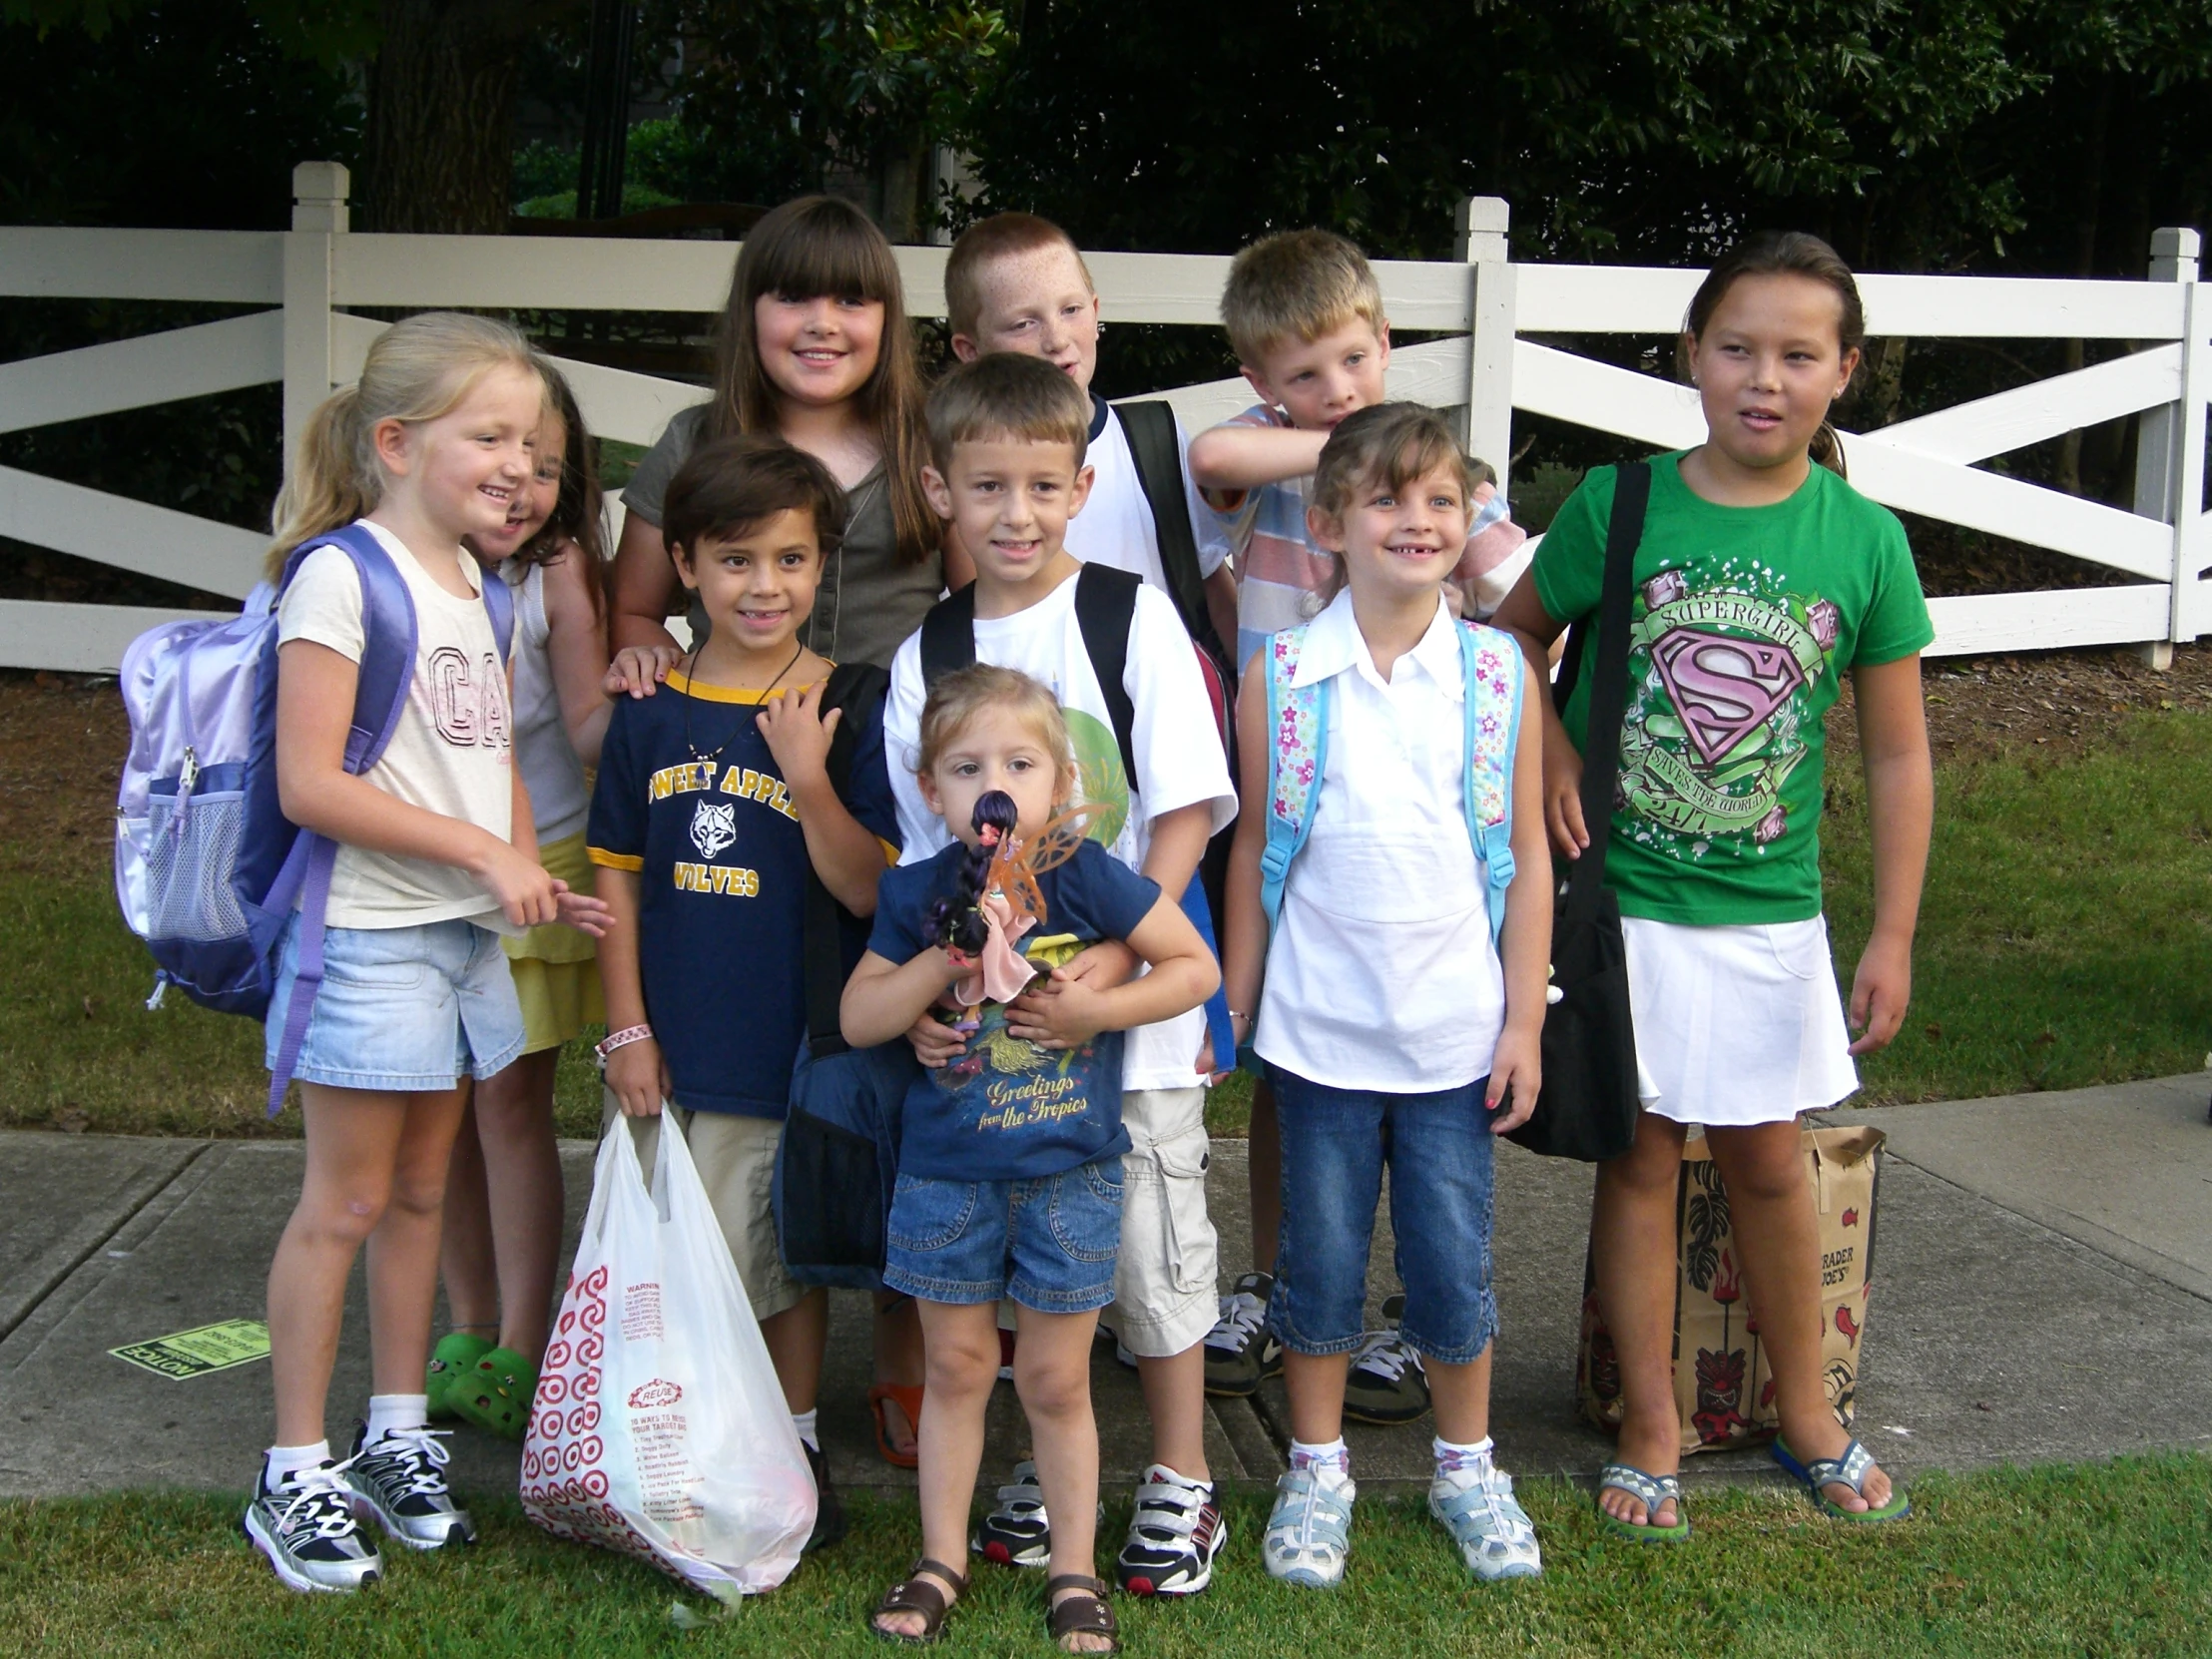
[{"x": 185, "y": 113}]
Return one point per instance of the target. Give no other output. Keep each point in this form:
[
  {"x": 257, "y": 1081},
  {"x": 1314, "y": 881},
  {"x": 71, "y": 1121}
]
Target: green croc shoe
[
  {"x": 456, "y": 1354},
  {"x": 495, "y": 1394}
]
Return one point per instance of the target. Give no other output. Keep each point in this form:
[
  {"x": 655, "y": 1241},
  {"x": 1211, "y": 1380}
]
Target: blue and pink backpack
[
  {"x": 207, "y": 867},
  {"x": 1298, "y": 718}
]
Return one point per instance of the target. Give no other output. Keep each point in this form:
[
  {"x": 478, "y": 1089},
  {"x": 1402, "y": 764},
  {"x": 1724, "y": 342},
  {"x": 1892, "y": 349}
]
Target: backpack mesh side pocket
[{"x": 191, "y": 855}]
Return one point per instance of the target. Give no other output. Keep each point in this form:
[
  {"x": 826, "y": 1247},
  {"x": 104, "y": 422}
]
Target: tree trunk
[
  {"x": 441, "y": 98},
  {"x": 2073, "y": 354}
]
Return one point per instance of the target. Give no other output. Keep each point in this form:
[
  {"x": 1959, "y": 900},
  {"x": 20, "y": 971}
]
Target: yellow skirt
[{"x": 556, "y": 971}]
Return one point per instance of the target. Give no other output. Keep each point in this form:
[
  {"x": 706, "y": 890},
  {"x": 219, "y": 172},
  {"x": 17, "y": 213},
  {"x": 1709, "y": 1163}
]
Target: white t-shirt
[
  {"x": 453, "y": 753},
  {"x": 1178, "y": 753},
  {"x": 1116, "y": 525},
  {"x": 1381, "y": 973}
]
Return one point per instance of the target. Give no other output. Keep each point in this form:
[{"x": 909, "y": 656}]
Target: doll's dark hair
[
  {"x": 1788, "y": 253},
  {"x": 954, "y": 920}
]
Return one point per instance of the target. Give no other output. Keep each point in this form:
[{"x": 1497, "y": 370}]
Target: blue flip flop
[{"x": 1850, "y": 1470}]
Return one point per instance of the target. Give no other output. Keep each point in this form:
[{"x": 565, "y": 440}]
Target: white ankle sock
[
  {"x": 389, "y": 1411},
  {"x": 1452, "y": 1457},
  {"x": 804, "y": 1421},
  {"x": 283, "y": 1461},
  {"x": 1331, "y": 1462}
]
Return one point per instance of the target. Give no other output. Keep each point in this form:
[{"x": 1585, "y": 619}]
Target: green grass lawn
[
  {"x": 2063, "y": 942},
  {"x": 2115, "y": 1559},
  {"x": 2063, "y": 938}
]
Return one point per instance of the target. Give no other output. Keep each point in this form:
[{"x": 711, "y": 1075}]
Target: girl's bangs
[
  {"x": 1421, "y": 454},
  {"x": 825, "y": 253}
]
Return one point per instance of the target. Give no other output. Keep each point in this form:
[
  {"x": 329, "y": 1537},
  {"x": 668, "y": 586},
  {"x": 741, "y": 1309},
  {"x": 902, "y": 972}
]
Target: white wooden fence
[{"x": 310, "y": 341}]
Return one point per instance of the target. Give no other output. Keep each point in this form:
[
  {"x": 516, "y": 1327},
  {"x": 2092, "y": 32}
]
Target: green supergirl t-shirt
[{"x": 1741, "y": 619}]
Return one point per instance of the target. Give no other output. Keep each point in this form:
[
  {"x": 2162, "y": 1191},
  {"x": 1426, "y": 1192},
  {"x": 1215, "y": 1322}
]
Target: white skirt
[{"x": 1737, "y": 1026}]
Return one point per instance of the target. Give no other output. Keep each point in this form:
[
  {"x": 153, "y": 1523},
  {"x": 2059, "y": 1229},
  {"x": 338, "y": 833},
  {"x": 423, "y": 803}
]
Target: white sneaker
[
  {"x": 306, "y": 1527},
  {"x": 1309, "y": 1536},
  {"x": 1496, "y": 1538},
  {"x": 401, "y": 1480}
]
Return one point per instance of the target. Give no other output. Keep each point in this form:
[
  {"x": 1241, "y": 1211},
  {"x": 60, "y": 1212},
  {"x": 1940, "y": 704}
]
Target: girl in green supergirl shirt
[{"x": 1760, "y": 577}]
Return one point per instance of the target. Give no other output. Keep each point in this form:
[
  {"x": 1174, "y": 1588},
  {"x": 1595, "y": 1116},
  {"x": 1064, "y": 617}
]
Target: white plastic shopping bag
[{"x": 659, "y": 1430}]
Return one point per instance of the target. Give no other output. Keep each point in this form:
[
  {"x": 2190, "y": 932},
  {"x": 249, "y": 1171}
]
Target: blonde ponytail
[{"x": 418, "y": 370}]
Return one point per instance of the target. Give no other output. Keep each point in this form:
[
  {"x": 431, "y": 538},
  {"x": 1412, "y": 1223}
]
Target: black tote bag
[{"x": 1588, "y": 1105}]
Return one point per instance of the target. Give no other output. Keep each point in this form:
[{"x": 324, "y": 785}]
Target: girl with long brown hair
[{"x": 815, "y": 347}]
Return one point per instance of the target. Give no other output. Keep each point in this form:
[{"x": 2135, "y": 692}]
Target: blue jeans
[
  {"x": 1049, "y": 1242},
  {"x": 1334, "y": 1145}
]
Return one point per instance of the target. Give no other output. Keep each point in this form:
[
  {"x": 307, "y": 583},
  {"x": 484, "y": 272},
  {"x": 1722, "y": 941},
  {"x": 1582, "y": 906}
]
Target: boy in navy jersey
[{"x": 714, "y": 810}]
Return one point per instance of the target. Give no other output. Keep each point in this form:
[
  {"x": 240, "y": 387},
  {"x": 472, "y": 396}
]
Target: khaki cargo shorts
[{"x": 1165, "y": 1284}]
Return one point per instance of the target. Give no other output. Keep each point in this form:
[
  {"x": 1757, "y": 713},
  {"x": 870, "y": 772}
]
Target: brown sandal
[
  {"x": 1080, "y": 1615},
  {"x": 913, "y": 1594}
]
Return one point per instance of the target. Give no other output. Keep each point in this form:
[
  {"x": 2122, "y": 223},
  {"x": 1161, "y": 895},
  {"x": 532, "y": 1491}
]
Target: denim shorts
[
  {"x": 1048, "y": 1242},
  {"x": 403, "y": 1009},
  {"x": 1336, "y": 1142}
]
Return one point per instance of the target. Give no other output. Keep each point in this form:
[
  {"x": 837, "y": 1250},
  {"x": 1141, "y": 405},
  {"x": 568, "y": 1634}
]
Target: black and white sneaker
[
  {"x": 829, "y": 1508},
  {"x": 1386, "y": 1383},
  {"x": 1240, "y": 1349},
  {"x": 401, "y": 1481},
  {"x": 1016, "y": 1533},
  {"x": 1174, "y": 1536},
  {"x": 306, "y": 1527}
]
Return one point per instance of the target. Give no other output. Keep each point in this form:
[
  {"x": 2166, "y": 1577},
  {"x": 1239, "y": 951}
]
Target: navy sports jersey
[
  {"x": 1007, "y": 1109},
  {"x": 703, "y": 818}
]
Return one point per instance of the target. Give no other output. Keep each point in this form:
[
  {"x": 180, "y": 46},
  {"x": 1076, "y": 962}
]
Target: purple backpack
[{"x": 207, "y": 867}]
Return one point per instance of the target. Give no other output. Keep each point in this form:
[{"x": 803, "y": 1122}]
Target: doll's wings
[{"x": 1016, "y": 869}]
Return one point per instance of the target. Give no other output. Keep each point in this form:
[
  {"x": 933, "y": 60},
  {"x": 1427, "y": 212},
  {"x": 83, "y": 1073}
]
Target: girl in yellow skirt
[{"x": 503, "y": 1200}]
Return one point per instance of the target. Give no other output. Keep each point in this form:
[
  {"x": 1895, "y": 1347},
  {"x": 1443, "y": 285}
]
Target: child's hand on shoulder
[
  {"x": 798, "y": 734},
  {"x": 1516, "y": 1068},
  {"x": 1063, "y": 1011},
  {"x": 640, "y": 670}
]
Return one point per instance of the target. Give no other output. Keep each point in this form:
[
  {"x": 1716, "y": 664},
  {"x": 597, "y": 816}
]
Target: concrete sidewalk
[{"x": 2044, "y": 1290}]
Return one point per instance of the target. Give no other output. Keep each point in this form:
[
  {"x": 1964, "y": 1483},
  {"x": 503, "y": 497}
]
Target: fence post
[
  {"x": 1480, "y": 221},
  {"x": 2169, "y": 448},
  {"x": 318, "y": 216}
]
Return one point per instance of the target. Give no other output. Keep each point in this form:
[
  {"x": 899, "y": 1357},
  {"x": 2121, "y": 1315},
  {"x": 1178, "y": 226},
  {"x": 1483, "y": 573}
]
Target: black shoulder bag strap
[
  {"x": 852, "y": 687},
  {"x": 1150, "y": 428},
  {"x": 1601, "y": 733},
  {"x": 1105, "y": 609},
  {"x": 948, "y": 636}
]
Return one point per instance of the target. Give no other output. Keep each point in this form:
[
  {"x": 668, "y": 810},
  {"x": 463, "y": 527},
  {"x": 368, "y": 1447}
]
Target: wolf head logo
[{"x": 713, "y": 825}]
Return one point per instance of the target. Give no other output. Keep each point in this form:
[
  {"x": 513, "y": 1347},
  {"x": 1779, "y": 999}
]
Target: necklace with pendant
[{"x": 715, "y": 754}]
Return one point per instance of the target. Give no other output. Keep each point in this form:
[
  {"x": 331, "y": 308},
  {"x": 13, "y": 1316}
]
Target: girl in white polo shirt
[{"x": 1398, "y": 1025}]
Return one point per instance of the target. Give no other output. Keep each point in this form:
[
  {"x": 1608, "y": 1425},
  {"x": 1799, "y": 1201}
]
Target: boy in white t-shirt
[
  {"x": 1018, "y": 282},
  {"x": 1007, "y": 437}
]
